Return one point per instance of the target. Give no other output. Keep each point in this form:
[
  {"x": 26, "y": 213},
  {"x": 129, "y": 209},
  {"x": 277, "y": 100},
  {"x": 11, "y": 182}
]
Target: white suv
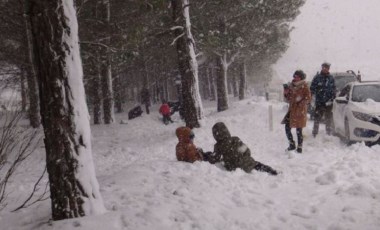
[{"x": 356, "y": 112}]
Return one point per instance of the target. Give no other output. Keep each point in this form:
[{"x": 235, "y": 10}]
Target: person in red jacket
[{"x": 165, "y": 111}]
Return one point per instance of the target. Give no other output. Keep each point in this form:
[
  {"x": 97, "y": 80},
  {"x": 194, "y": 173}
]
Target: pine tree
[{"x": 74, "y": 190}]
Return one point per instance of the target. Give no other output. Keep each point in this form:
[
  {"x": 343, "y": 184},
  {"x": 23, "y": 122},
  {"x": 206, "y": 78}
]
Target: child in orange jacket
[{"x": 185, "y": 149}]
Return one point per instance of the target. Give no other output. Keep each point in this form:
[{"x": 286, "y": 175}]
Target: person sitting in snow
[
  {"x": 299, "y": 97},
  {"x": 166, "y": 113},
  {"x": 186, "y": 149},
  {"x": 234, "y": 153}
]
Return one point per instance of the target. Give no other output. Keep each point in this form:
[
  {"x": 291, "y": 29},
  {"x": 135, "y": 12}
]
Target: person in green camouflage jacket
[{"x": 234, "y": 153}]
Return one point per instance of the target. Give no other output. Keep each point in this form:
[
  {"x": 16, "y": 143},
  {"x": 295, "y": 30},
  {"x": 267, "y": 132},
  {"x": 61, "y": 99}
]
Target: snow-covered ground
[{"x": 330, "y": 186}]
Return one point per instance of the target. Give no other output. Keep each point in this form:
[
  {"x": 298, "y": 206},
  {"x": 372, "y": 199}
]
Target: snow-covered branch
[
  {"x": 175, "y": 39},
  {"x": 98, "y": 44},
  {"x": 176, "y": 27}
]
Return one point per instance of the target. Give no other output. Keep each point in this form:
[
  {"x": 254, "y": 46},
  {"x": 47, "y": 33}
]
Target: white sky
[{"x": 345, "y": 33}]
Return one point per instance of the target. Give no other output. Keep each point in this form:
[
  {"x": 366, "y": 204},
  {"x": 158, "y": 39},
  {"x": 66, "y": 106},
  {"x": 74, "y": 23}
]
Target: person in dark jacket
[
  {"x": 323, "y": 89},
  {"x": 298, "y": 96},
  {"x": 135, "y": 112},
  {"x": 234, "y": 153},
  {"x": 145, "y": 99}
]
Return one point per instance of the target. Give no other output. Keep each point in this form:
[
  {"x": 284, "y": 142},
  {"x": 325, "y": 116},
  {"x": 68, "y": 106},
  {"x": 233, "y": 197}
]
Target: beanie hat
[
  {"x": 326, "y": 64},
  {"x": 300, "y": 73}
]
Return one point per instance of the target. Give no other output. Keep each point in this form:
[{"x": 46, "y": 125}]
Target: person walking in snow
[
  {"x": 234, "y": 153},
  {"x": 298, "y": 95},
  {"x": 323, "y": 89},
  {"x": 145, "y": 99},
  {"x": 186, "y": 149},
  {"x": 166, "y": 113}
]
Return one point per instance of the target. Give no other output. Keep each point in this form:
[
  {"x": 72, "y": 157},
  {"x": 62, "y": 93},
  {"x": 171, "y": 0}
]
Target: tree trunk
[
  {"x": 188, "y": 66},
  {"x": 23, "y": 90},
  {"x": 242, "y": 81},
  {"x": 34, "y": 116},
  {"x": 97, "y": 102},
  {"x": 221, "y": 84},
  {"x": 235, "y": 84},
  {"x": 203, "y": 80},
  {"x": 108, "y": 100},
  {"x": 118, "y": 94},
  {"x": 166, "y": 89},
  {"x": 211, "y": 83},
  {"x": 74, "y": 190}
]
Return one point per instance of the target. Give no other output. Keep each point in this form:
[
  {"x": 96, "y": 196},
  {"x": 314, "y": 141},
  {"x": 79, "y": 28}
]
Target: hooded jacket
[
  {"x": 235, "y": 154},
  {"x": 165, "y": 109},
  {"x": 185, "y": 149}
]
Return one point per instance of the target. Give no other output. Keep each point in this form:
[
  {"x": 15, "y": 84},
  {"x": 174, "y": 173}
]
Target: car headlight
[{"x": 362, "y": 116}]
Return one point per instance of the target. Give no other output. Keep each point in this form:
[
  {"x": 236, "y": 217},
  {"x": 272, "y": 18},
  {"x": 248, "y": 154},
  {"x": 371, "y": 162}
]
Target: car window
[
  {"x": 361, "y": 93},
  {"x": 341, "y": 81},
  {"x": 345, "y": 91}
]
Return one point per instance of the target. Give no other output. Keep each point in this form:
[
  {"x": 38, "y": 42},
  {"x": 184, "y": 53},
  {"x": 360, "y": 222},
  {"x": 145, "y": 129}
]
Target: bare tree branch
[{"x": 35, "y": 189}]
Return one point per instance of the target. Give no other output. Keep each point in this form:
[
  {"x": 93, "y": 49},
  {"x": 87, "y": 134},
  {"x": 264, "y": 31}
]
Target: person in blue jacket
[{"x": 323, "y": 89}]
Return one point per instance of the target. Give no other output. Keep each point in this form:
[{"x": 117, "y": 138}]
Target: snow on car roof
[{"x": 365, "y": 83}]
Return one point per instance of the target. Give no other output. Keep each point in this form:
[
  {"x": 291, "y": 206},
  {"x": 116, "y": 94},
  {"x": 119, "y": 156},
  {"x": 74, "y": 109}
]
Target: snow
[
  {"x": 329, "y": 186},
  {"x": 85, "y": 172},
  {"x": 369, "y": 106}
]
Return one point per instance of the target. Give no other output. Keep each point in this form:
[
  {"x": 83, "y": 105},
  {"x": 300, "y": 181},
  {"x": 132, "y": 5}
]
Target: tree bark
[
  {"x": 118, "y": 94},
  {"x": 166, "y": 89},
  {"x": 211, "y": 83},
  {"x": 235, "y": 84},
  {"x": 23, "y": 90},
  {"x": 74, "y": 190},
  {"x": 242, "y": 81},
  {"x": 34, "y": 116},
  {"x": 97, "y": 99},
  {"x": 188, "y": 67},
  {"x": 221, "y": 84},
  {"x": 108, "y": 101},
  {"x": 107, "y": 89}
]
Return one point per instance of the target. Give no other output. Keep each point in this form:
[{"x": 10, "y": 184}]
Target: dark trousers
[
  {"x": 288, "y": 132},
  {"x": 166, "y": 119},
  {"x": 147, "y": 108},
  {"x": 321, "y": 110},
  {"x": 290, "y": 136},
  {"x": 265, "y": 168}
]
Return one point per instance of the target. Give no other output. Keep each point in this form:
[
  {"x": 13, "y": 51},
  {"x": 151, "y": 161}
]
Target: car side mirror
[{"x": 341, "y": 100}]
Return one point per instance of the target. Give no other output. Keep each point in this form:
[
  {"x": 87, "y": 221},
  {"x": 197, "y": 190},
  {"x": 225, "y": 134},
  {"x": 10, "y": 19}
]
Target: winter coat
[
  {"x": 323, "y": 87},
  {"x": 298, "y": 97},
  {"x": 185, "y": 149},
  {"x": 165, "y": 109},
  {"x": 234, "y": 153}
]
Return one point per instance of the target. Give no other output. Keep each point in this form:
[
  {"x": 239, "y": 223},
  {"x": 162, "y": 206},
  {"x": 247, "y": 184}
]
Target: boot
[
  {"x": 292, "y": 146},
  {"x": 299, "y": 149}
]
